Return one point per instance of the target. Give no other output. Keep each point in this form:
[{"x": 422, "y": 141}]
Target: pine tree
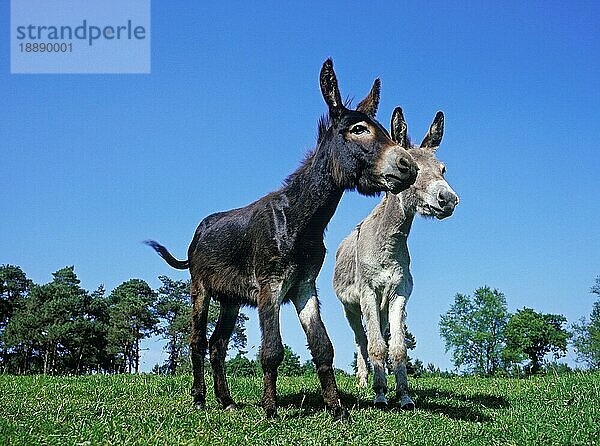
[
  {"x": 132, "y": 317},
  {"x": 14, "y": 286},
  {"x": 173, "y": 307}
]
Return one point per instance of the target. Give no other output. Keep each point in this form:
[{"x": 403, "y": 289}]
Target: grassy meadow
[{"x": 156, "y": 410}]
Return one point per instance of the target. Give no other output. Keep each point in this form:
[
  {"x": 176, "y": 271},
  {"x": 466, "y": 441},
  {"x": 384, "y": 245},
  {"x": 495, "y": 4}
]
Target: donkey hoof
[
  {"x": 231, "y": 407},
  {"x": 408, "y": 407},
  {"x": 406, "y": 403},
  {"x": 381, "y": 402},
  {"x": 271, "y": 414},
  {"x": 340, "y": 414},
  {"x": 199, "y": 405}
]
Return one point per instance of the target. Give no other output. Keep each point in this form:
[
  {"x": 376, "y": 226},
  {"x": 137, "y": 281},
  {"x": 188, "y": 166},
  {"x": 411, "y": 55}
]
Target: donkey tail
[{"x": 165, "y": 254}]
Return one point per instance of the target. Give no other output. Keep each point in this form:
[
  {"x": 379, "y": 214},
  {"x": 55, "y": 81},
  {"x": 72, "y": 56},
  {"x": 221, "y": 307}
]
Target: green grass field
[{"x": 148, "y": 409}]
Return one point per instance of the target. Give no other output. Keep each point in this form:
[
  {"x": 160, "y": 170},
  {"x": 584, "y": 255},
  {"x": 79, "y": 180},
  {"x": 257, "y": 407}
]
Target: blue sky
[{"x": 92, "y": 165}]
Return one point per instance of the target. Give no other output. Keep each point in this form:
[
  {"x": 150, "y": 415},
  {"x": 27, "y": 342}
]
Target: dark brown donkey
[{"x": 270, "y": 252}]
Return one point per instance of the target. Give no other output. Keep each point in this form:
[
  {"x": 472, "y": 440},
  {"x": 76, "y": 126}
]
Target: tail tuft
[{"x": 166, "y": 255}]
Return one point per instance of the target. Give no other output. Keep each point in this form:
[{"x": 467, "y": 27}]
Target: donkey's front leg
[
  {"x": 307, "y": 306},
  {"x": 376, "y": 344},
  {"x": 271, "y": 350},
  {"x": 398, "y": 350}
]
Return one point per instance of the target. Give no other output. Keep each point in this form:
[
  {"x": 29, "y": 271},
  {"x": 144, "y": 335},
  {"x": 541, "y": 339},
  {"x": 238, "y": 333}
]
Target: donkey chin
[{"x": 429, "y": 210}]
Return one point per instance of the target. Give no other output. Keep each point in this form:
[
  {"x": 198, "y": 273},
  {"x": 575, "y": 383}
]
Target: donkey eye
[
  {"x": 358, "y": 129},
  {"x": 443, "y": 169}
]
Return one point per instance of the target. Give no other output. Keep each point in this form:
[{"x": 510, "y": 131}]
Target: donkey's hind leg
[
  {"x": 218, "y": 350},
  {"x": 307, "y": 306},
  {"x": 360, "y": 338},
  {"x": 200, "y": 302}
]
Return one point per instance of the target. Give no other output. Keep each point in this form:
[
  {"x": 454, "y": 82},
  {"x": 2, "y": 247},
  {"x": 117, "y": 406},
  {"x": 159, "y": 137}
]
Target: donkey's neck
[
  {"x": 312, "y": 195},
  {"x": 396, "y": 219}
]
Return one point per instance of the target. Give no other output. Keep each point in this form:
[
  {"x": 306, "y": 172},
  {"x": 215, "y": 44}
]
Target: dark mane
[{"x": 322, "y": 127}]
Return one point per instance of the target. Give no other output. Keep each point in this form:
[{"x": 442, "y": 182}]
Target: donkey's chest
[
  {"x": 384, "y": 271},
  {"x": 384, "y": 276}
]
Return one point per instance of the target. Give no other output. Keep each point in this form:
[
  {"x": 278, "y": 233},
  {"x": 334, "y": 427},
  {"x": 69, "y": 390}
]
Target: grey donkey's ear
[
  {"x": 398, "y": 128},
  {"x": 330, "y": 90},
  {"x": 433, "y": 139},
  {"x": 370, "y": 103}
]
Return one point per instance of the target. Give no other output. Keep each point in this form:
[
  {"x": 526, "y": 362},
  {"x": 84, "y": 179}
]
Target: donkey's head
[
  {"x": 430, "y": 195},
  {"x": 363, "y": 155}
]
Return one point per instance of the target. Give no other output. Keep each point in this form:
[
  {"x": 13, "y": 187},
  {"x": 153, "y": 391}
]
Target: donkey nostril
[
  {"x": 440, "y": 198},
  {"x": 403, "y": 164},
  {"x": 446, "y": 199}
]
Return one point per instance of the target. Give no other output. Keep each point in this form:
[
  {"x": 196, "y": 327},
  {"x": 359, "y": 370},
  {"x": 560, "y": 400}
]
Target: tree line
[
  {"x": 60, "y": 328},
  {"x": 484, "y": 338}
]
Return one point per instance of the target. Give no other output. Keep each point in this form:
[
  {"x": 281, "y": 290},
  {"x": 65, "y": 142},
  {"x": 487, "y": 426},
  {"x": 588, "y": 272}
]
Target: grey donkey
[{"x": 372, "y": 272}]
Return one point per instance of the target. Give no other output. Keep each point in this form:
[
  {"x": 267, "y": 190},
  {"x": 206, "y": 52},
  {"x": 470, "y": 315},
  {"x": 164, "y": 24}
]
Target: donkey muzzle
[{"x": 400, "y": 170}]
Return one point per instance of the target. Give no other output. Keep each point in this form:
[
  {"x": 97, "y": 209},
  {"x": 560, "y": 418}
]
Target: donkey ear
[
  {"x": 398, "y": 127},
  {"x": 330, "y": 90},
  {"x": 370, "y": 103},
  {"x": 433, "y": 139}
]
